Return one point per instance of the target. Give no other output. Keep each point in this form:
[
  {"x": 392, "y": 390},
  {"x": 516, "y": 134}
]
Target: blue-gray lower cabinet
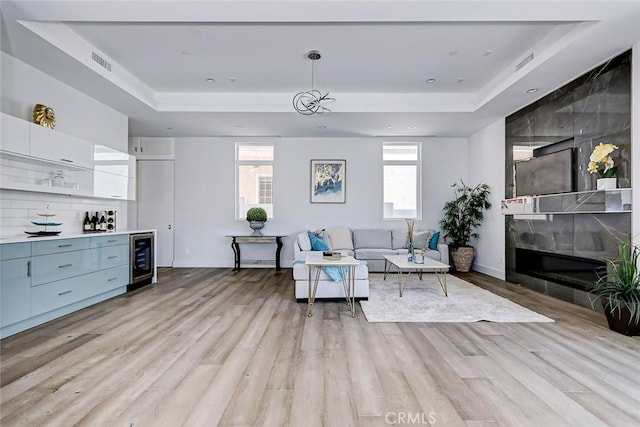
[{"x": 43, "y": 280}]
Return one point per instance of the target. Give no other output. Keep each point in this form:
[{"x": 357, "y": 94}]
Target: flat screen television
[{"x": 548, "y": 174}]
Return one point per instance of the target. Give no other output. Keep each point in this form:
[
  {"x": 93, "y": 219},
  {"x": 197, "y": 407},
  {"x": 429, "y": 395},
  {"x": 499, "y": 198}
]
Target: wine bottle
[
  {"x": 86, "y": 225},
  {"x": 94, "y": 223},
  {"x": 103, "y": 223}
]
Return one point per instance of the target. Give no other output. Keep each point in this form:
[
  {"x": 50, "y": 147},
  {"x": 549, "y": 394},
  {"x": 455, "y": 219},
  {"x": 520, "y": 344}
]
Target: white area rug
[{"x": 424, "y": 301}]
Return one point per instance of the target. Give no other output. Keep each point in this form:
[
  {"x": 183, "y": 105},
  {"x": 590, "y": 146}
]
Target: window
[
  {"x": 265, "y": 189},
  {"x": 254, "y": 178},
  {"x": 401, "y": 177}
]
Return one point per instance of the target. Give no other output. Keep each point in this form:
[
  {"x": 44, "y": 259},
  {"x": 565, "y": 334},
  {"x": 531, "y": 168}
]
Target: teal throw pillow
[
  {"x": 433, "y": 242},
  {"x": 317, "y": 244}
]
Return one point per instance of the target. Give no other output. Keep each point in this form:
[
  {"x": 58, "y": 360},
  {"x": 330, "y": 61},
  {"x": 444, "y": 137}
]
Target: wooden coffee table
[{"x": 402, "y": 265}]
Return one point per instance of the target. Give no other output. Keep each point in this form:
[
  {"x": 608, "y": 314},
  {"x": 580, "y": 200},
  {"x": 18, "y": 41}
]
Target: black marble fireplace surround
[{"x": 557, "y": 254}]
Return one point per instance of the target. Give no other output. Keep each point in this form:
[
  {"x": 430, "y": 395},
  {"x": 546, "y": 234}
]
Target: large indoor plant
[
  {"x": 461, "y": 217},
  {"x": 256, "y": 217},
  {"x": 618, "y": 290}
]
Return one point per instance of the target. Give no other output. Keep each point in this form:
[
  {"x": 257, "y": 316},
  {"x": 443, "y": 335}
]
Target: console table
[{"x": 247, "y": 238}]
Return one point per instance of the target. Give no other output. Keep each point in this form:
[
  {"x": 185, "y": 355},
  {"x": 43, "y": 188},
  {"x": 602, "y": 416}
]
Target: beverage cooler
[{"x": 142, "y": 261}]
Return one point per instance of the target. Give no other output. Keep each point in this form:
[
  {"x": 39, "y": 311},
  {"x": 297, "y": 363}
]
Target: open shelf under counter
[{"x": 582, "y": 202}]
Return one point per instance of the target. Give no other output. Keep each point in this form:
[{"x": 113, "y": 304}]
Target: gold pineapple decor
[{"x": 44, "y": 116}]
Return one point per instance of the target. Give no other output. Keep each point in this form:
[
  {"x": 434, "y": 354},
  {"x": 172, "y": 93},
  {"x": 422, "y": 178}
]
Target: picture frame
[{"x": 328, "y": 181}]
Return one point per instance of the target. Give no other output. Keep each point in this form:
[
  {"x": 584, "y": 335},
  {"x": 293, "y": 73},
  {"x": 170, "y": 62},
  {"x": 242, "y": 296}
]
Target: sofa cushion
[
  {"x": 317, "y": 244},
  {"x": 421, "y": 239},
  {"x": 340, "y": 238},
  {"x": 399, "y": 239},
  {"x": 303, "y": 241},
  {"x": 372, "y": 238},
  {"x": 433, "y": 254},
  {"x": 373, "y": 253}
]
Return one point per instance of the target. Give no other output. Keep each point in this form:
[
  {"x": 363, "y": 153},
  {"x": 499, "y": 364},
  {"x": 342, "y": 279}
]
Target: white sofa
[{"x": 368, "y": 245}]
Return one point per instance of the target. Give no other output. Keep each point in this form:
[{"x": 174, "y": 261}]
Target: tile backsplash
[{"x": 19, "y": 208}]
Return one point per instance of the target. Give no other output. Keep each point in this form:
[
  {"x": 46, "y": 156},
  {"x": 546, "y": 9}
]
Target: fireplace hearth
[{"x": 567, "y": 270}]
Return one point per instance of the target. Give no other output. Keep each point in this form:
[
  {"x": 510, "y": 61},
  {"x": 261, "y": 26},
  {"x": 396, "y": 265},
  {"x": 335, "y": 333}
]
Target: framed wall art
[{"x": 328, "y": 184}]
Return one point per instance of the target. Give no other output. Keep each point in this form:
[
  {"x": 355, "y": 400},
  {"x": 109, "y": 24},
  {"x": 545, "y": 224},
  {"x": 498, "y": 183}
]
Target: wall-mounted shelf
[{"x": 582, "y": 202}]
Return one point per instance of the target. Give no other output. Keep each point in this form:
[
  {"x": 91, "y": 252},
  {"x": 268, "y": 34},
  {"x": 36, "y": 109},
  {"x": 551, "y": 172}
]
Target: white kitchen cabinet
[
  {"x": 152, "y": 148},
  {"x": 15, "y": 134},
  {"x": 114, "y": 174},
  {"x": 54, "y": 146}
]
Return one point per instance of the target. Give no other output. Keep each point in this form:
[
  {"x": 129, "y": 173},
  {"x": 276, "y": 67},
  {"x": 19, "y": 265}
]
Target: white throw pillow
[
  {"x": 340, "y": 238},
  {"x": 304, "y": 242}
]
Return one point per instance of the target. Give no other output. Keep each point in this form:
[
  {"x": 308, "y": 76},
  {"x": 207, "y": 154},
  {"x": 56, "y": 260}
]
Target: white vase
[{"x": 607, "y": 183}]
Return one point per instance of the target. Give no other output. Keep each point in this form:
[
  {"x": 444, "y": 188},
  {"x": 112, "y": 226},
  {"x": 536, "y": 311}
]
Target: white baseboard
[{"x": 490, "y": 271}]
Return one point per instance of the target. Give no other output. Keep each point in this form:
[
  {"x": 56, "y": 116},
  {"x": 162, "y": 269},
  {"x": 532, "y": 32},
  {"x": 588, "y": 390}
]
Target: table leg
[
  {"x": 442, "y": 278},
  {"x": 311, "y": 296},
  {"x": 386, "y": 268},
  {"x": 278, "y": 248},
  {"x": 236, "y": 255},
  {"x": 352, "y": 280}
]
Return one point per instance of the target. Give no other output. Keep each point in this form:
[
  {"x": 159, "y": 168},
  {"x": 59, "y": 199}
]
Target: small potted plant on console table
[
  {"x": 618, "y": 289},
  {"x": 461, "y": 216},
  {"x": 256, "y": 217}
]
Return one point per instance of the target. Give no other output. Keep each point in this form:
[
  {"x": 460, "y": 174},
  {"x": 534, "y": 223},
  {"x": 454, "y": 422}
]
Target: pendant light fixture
[{"x": 312, "y": 101}]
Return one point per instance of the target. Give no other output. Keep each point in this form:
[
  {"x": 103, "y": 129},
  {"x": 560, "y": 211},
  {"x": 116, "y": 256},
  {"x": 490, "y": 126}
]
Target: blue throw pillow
[
  {"x": 317, "y": 244},
  {"x": 433, "y": 243}
]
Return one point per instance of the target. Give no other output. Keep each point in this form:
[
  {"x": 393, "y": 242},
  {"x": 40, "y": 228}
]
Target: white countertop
[{"x": 26, "y": 239}]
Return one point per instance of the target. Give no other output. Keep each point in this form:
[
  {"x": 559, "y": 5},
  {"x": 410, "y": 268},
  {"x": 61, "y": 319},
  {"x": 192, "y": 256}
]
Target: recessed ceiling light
[
  {"x": 322, "y": 127},
  {"x": 169, "y": 128},
  {"x": 532, "y": 90},
  {"x": 232, "y": 79},
  {"x": 412, "y": 127},
  {"x": 432, "y": 80},
  {"x": 239, "y": 126},
  {"x": 453, "y": 53},
  {"x": 461, "y": 79},
  {"x": 185, "y": 52},
  {"x": 389, "y": 127},
  {"x": 487, "y": 52},
  {"x": 210, "y": 80}
]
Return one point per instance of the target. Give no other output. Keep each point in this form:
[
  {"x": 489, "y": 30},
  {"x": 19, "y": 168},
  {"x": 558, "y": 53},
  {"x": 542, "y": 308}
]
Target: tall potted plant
[
  {"x": 461, "y": 217},
  {"x": 618, "y": 290}
]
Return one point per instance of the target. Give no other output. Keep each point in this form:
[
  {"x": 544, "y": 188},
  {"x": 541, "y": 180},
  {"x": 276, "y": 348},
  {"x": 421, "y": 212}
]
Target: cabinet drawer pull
[
  {"x": 112, "y": 279},
  {"x": 66, "y": 160},
  {"x": 28, "y": 268},
  {"x": 65, "y": 265},
  {"x": 116, "y": 196},
  {"x": 111, "y": 241},
  {"x": 68, "y": 245},
  {"x": 112, "y": 257},
  {"x": 64, "y": 293}
]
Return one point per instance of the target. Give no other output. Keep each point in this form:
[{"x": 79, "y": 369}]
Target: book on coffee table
[{"x": 332, "y": 256}]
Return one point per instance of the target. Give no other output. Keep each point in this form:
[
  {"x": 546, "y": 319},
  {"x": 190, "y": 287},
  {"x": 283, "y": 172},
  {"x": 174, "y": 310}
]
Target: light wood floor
[{"x": 210, "y": 347}]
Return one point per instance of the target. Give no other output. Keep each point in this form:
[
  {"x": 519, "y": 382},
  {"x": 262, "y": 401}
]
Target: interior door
[{"x": 156, "y": 205}]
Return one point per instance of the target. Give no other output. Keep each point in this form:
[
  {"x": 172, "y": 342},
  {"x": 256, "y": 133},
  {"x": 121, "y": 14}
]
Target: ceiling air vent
[
  {"x": 100, "y": 60},
  {"x": 525, "y": 61}
]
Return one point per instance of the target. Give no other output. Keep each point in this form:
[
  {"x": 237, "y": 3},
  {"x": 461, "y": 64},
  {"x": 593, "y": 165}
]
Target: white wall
[
  {"x": 23, "y": 86},
  {"x": 635, "y": 144},
  {"x": 486, "y": 164},
  {"x": 205, "y": 195},
  {"x": 77, "y": 114}
]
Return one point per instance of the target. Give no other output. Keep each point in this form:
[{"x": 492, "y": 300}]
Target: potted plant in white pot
[
  {"x": 256, "y": 217},
  {"x": 618, "y": 290},
  {"x": 461, "y": 217}
]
